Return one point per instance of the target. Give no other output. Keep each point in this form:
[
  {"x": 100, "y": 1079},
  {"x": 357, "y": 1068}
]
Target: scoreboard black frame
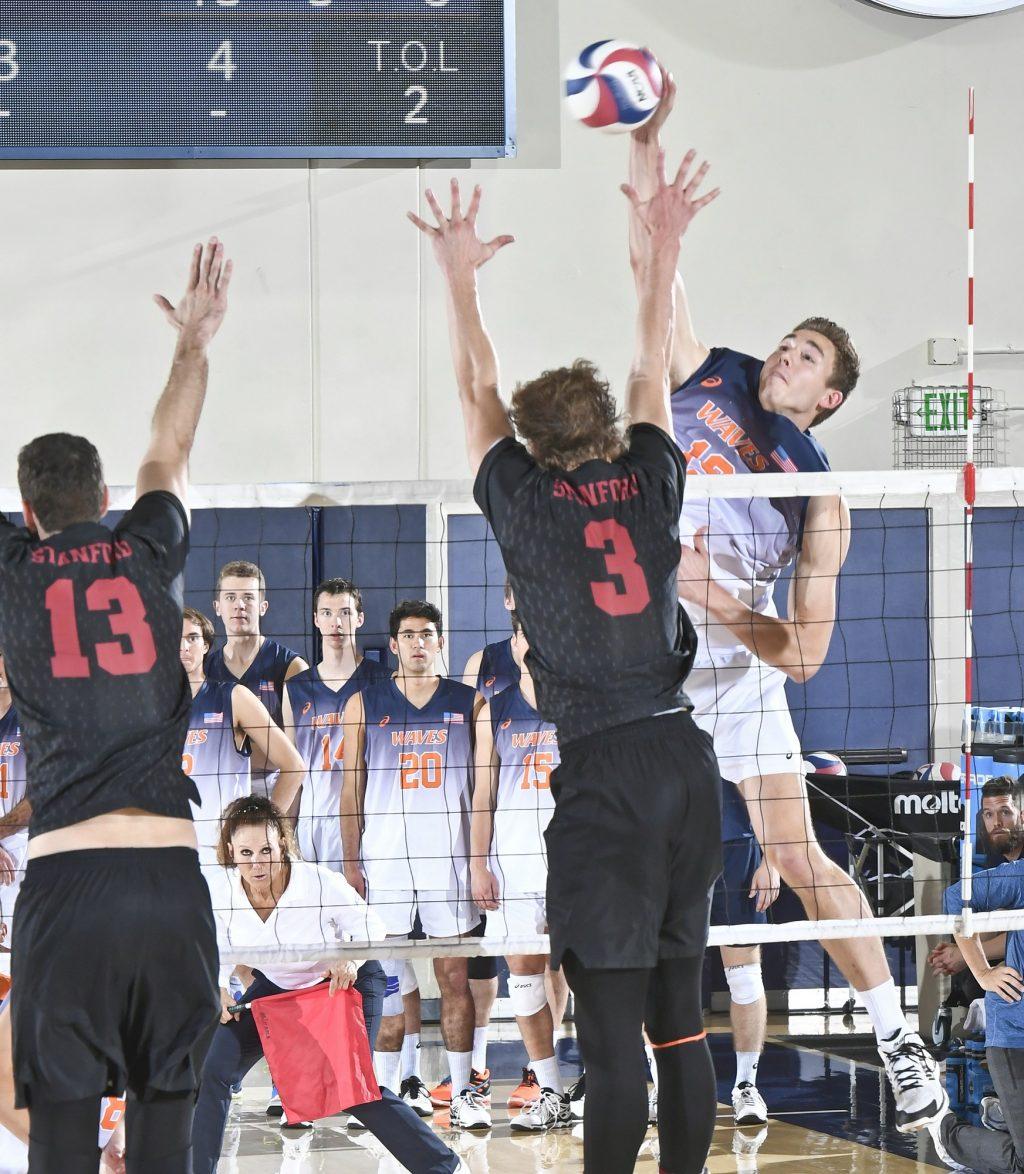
[{"x": 257, "y": 79}]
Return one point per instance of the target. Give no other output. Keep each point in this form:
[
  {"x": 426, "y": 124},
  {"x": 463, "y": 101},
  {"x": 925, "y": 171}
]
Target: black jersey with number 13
[
  {"x": 90, "y": 627},
  {"x": 592, "y": 558}
]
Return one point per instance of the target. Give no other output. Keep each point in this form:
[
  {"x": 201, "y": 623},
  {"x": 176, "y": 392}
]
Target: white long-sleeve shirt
[{"x": 317, "y": 906}]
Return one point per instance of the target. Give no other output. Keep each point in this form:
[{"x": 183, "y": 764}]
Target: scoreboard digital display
[{"x": 300, "y": 79}]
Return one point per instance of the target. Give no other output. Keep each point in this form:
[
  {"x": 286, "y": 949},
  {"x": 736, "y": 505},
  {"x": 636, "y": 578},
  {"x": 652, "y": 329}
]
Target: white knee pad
[
  {"x": 527, "y": 994},
  {"x": 746, "y": 983},
  {"x": 393, "y": 994},
  {"x": 408, "y": 982}
]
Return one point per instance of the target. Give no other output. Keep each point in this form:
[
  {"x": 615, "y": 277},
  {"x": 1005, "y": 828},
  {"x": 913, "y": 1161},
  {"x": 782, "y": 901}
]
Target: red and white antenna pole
[{"x": 969, "y": 497}]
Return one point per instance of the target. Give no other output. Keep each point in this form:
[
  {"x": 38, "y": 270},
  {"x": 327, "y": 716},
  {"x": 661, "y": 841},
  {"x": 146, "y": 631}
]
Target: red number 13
[
  {"x": 620, "y": 562},
  {"x": 129, "y": 621}
]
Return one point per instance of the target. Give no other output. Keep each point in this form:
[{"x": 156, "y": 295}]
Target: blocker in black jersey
[
  {"x": 634, "y": 846},
  {"x": 91, "y": 622},
  {"x": 592, "y": 558}
]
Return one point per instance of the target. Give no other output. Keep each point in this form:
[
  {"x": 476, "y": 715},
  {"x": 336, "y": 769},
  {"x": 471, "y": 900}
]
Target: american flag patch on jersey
[
  {"x": 783, "y": 460},
  {"x": 266, "y": 686},
  {"x": 213, "y": 719},
  {"x": 454, "y": 718}
]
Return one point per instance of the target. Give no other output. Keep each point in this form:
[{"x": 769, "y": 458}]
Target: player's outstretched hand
[
  {"x": 201, "y": 311},
  {"x": 8, "y": 868},
  {"x": 457, "y": 246},
  {"x": 649, "y": 132},
  {"x": 1005, "y": 982},
  {"x": 667, "y": 214}
]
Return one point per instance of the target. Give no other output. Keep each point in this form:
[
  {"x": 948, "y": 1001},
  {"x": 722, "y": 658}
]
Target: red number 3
[
  {"x": 619, "y": 561},
  {"x": 129, "y": 621}
]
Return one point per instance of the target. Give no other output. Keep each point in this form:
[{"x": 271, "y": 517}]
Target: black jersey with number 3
[
  {"x": 592, "y": 558},
  {"x": 90, "y": 627}
]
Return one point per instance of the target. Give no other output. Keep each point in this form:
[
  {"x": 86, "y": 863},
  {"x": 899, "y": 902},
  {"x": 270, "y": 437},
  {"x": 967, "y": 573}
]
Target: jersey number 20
[
  {"x": 120, "y": 599},
  {"x": 620, "y": 563}
]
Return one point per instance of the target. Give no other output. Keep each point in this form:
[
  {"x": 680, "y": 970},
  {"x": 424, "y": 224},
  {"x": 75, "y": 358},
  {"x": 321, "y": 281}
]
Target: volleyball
[
  {"x": 614, "y": 86},
  {"x": 938, "y": 772},
  {"x": 821, "y": 762}
]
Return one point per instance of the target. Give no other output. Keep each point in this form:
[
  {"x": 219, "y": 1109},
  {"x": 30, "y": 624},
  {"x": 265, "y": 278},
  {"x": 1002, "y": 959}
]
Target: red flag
[{"x": 317, "y": 1050}]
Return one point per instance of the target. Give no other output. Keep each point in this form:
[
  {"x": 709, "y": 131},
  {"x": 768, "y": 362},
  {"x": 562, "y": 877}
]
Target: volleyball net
[{"x": 881, "y": 725}]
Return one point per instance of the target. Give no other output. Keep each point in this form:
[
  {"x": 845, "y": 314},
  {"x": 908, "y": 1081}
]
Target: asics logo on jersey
[
  {"x": 506, "y": 723},
  {"x": 306, "y": 708},
  {"x": 385, "y": 720},
  {"x": 490, "y": 681},
  {"x": 712, "y": 381}
]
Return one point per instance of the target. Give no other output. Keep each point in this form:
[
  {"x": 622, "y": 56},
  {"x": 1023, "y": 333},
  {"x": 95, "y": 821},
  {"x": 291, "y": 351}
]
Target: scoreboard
[{"x": 301, "y": 79}]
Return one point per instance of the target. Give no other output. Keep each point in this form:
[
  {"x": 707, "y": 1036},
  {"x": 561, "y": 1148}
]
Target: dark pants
[
  {"x": 984, "y": 1150},
  {"x": 237, "y": 1048}
]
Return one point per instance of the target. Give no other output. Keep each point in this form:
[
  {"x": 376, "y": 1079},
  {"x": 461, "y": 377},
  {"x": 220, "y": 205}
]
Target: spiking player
[
  {"x": 91, "y": 621},
  {"x": 405, "y": 829},
  {"x": 14, "y": 806},
  {"x": 313, "y": 708},
  {"x": 516, "y": 753},
  {"x": 227, "y": 724},
  {"x": 588, "y": 525},
  {"x": 734, "y": 414},
  {"x": 246, "y": 656}
]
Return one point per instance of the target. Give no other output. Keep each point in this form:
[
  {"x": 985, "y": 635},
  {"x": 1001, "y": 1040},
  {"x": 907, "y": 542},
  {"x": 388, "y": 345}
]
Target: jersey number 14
[{"x": 133, "y": 653}]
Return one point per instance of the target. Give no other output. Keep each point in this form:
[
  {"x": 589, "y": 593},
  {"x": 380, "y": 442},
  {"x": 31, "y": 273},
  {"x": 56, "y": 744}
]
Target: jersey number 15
[{"x": 133, "y": 653}]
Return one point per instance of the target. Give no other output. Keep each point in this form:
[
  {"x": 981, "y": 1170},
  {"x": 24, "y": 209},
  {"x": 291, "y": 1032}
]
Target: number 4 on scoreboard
[{"x": 223, "y": 61}]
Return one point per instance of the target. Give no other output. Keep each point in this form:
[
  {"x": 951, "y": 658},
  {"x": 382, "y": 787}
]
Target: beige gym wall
[{"x": 836, "y": 130}]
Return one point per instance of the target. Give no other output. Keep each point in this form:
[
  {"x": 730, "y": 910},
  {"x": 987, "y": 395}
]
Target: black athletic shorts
[
  {"x": 481, "y": 968},
  {"x": 634, "y": 846},
  {"x": 114, "y": 976}
]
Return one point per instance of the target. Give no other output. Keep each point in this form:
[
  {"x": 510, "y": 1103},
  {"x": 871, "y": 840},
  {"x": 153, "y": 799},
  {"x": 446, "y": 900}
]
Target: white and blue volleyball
[
  {"x": 821, "y": 762},
  {"x": 938, "y": 772},
  {"x": 614, "y": 86}
]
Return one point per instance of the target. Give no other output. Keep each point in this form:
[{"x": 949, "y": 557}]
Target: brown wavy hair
[
  {"x": 252, "y": 811},
  {"x": 568, "y": 416}
]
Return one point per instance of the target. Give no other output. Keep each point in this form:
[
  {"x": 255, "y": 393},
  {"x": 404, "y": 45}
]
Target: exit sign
[{"x": 938, "y": 411}]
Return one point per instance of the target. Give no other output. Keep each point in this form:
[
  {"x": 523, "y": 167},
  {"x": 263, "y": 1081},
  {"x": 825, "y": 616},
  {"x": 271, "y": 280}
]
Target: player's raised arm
[
  {"x": 662, "y": 220},
  {"x": 460, "y": 252},
  {"x": 196, "y": 318},
  {"x": 687, "y": 351}
]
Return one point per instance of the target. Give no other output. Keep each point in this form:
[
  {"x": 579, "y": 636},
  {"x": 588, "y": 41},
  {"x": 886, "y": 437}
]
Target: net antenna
[{"x": 969, "y": 499}]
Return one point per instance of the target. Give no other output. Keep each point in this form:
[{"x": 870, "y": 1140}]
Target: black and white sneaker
[
  {"x": 414, "y": 1093},
  {"x": 548, "y": 1111},
  {"x": 992, "y": 1116},
  {"x": 921, "y": 1098},
  {"x": 748, "y": 1107}
]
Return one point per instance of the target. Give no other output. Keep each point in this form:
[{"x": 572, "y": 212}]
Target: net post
[{"x": 967, "y": 862}]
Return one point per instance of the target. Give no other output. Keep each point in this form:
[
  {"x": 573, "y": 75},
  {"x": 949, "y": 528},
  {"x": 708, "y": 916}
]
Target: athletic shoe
[
  {"x": 992, "y": 1115},
  {"x": 745, "y": 1148},
  {"x": 748, "y": 1107},
  {"x": 577, "y": 1097},
  {"x": 935, "y": 1131},
  {"x": 920, "y": 1095},
  {"x": 236, "y": 1091},
  {"x": 469, "y": 1111},
  {"x": 441, "y": 1094},
  {"x": 548, "y": 1111},
  {"x": 652, "y": 1106},
  {"x": 414, "y": 1093},
  {"x": 296, "y": 1125},
  {"x": 526, "y": 1091},
  {"x": 293, "y": 1148},
  {"x": 354, "y": 1125},
  {"x": 274, "y": 1106}
]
